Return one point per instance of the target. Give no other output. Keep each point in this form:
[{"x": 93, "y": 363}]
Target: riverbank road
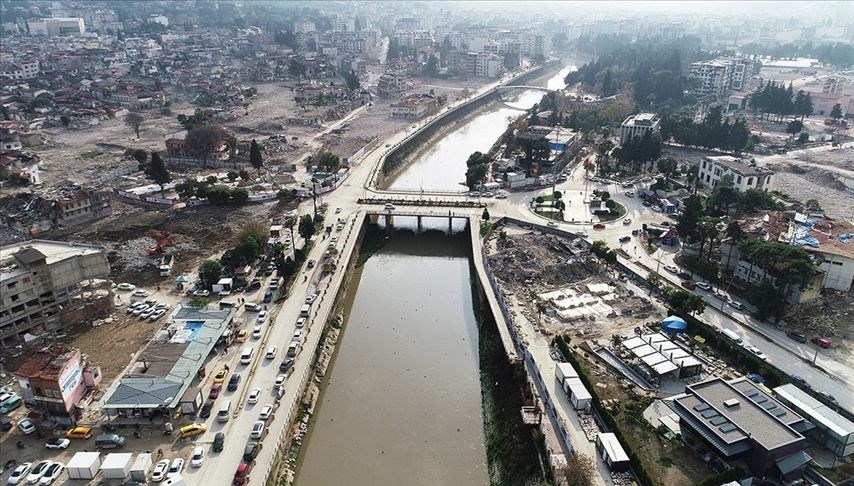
[{"x": 262, "y": 372}]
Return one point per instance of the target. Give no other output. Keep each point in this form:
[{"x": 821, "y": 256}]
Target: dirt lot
[{"x": 667, "y": 461}]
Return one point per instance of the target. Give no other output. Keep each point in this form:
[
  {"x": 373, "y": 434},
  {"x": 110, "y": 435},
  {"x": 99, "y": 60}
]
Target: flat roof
[
  {"x": 737, "y": 165},
  {"x": 817, "y": 412},
  {"x": 746, "y": 418},
  {"x": 613, "y": 447},
  {"x": 53, "y": 251},
  {"x": 163, "y": 371},
  {"x": 660, "y": 353}
]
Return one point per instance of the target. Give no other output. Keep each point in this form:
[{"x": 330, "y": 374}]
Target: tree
[
  {"x": 297, "y": 69},
  {"x": 290, "y": 222},
  {"x": 239, "y": 195},
  {"x": 653, "y": 280},
  {"x": 328, "y": 161},
  {"x": 431, "y": 68},
  {"x": 306, "y": 227},
  {"x": 812, "y": 205},
  {"x": 198, "y": 302},
  {"x": 535, "y": 147},
  {"x": 683, "y": 303},
  {"x": 687, "y": 223},
  {"x": 836, "y": 112},
  {"x": 352, "y": 80},
  {"x": 141, "y": 156},
  {"x": 603, "y": 153},
  {"x": 793, "y": 128},
  {"x": 579, "y": 470},
  {"x": 803, "y": 104},
  {"x": 477, "y": 166},
  {"x": 210, "y": 271},
  {"x": 255, "y": 157},
  {"x": 232, "y": 175},
  {"x": 203, "y": 141},
  {"x": 667, "y": 166},
  {"x": 157, "y": 171},
  {"x": 134, "y": 120},
  {"x": 803, "y": 138}
]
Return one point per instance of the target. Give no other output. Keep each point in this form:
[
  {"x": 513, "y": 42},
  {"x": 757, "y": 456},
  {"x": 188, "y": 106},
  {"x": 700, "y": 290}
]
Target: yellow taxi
[
  {"x": 220, "y": 375},
  {"x": 192, "y": 429},
  {"x": 79, "y": 432},
  {"x": 242, "y": 335}
]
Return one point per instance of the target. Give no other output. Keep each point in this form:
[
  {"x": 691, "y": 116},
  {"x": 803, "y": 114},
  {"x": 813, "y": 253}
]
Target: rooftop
[
  {"x": 46, "y": 363},
  {"x": 161, "y": 373},
  {"x": 738, "y": 410},
  {"x": 817, "y": 412},
  {"x": 15, "y": 257},
  {"x": 640, "y": 119},
  {"x": 738, "y": 165}
]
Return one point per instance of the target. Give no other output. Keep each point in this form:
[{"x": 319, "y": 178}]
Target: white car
[
  {"x": 758, "y": 352},
  {"x": 310, "y": 298},
  {"x": 146, "y": 313},
  {"x": 272, "y": 351},
  {"x": 735, "y": 304},
  {"x": 57, "y": 443},
  {"x": 627, "y": 221},
  {"x": 176, "y": 467},
  {"x": 198, "y": 457},
  {"x": 671, "y": 269},
  {"x": 703, "y": 285},
  {"x": 262, "y": 317},
  {"x": 140, "y": 309},
  {"x": 26, "y": 426},
  {"x": 161, "y": 305},
  {"x": 252, "y": 306},
  {"x": 551, "y": 224},
  {"x": 125, "y": 286},
  {"x": 254, "y": 395},
  {"x": 256, "y": 333},
  {"x": 52, "y": 473},
  {"x": 134, "y": 306},
  {"x": 257, "y": 430},
  {"x": 38, "y": 471},
  {"x": 501, "y": 195},
  {"x": 160, "y": 470},
  {"x": 224, "y": 293},
  {"x": 140, "y": 293},
  {"x": 630, "y": 193},
  {"x": 202, "y": 293},
  {"x": 337, "y": 210},
  {"x": 266, "y": 412},
  {"x": 156, "y": 314},
  {"x": 280, "y": 380},
  {"x": 20, "y": 473},
  {"x": 300, "y": 322}
]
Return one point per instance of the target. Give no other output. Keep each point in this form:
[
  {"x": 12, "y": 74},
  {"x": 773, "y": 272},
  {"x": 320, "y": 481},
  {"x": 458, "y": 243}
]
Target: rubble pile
[
  {"x": 542, "y": 259},
  {"x": 832, "y": 314}
]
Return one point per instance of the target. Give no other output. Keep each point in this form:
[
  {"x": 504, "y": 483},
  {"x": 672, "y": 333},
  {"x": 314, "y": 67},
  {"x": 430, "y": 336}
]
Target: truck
[
  {"x": 139, "y": 469},
  {"x": 166, "y": 262}
]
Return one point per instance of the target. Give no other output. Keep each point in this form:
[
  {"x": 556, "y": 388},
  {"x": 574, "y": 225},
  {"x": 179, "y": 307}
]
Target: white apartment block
[
  {"x": 741, "y": 73},
  {"x": 304, "y": 27},
  {"x": 713, "y": 77},
  {"x": 57, "y": 26},
  {"x": 347, "y": 24},
  {"x": 744, "y": 176},
  {"x": 535, "y": 44},
  {"x": 21, "y": 70},
  {"x": 638, "y": 125}
]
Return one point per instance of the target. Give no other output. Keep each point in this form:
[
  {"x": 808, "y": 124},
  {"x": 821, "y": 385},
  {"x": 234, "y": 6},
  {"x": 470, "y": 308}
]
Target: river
[
  {"x": 402, "y": 401},
  {"x": 442, "y": 166}
]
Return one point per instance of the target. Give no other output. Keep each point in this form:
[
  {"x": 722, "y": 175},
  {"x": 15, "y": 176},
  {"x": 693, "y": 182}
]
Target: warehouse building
[{"x": 831, "y": 429}]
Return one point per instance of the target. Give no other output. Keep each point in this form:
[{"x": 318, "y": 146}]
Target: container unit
[
  {"x": 563, "y": 371},
  {"x": 117, "y": 465},
  {"x": 577, "y": 393},
  {"x": 84, "y": 465},
  {"x": 141, "y": 466},
  {"x": 612, "y": 452}
]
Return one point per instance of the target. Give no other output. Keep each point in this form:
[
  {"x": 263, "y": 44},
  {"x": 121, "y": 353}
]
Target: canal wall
[
  {"x": 334, "y": 288},
  {"x": 396, "y": 158}
]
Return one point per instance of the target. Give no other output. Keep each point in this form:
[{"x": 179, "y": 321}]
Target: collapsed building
[{"x": 63, "y": 206}]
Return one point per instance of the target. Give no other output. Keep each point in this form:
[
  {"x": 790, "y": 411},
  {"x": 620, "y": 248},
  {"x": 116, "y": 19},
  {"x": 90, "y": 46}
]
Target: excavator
[{"x": 163, "y": 241}]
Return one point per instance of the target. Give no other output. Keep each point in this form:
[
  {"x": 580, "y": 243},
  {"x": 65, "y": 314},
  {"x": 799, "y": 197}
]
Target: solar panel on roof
[
  {"x": 778, "y": 412},
  {"x": 769, "y": 405},
  {"x": 701, "y": 406},
  {"x": 752, "y": 392},
  {"x": 761, "y": 399},
  {"x": 709, "y": 413},
  {"x": 717, "y": 420},
  {"x": 726, "y": 428}
]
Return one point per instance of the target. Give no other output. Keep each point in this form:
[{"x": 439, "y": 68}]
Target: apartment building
[
  {"x": 19, "y": 70},
  {"x": 638, "y": 125},
  {"x": 741, "y": 73},
  {"x": 744, "y": 176},
  {"x": 39, "y": 282},
  {"x": 57, "y": 26},
  {"x": 178, "y": 152},
  {"x": 304, "y": 26},
  {"x": 712, "y": 78},
  {"x": 481, "y": 64},
  {"x": 392, "y": 85},
  {"x": 57, "y": 380}
]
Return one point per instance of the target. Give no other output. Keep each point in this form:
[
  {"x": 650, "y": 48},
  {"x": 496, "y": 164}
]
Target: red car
[
  {"x": 242, "y": 473},
  {"x": 821, "y": 342},
  {"x": 598, "y": 226},
  {"x": 215, "y": 389},
  {"x": 688, "y": 284}
]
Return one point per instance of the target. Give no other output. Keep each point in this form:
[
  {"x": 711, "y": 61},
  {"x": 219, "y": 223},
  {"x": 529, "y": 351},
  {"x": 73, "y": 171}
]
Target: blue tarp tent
[{"x": 673, "y": 325}]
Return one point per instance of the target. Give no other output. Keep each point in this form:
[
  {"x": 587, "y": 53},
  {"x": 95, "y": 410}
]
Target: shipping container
[
  {"x": 117, "y": 465},
  {"x": 84, "y": 465}
]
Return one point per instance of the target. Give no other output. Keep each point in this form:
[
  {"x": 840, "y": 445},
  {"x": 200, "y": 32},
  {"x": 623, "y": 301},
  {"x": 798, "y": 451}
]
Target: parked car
[
  {"x": 216, "y": 388},
  {"x": 797, "y": 336},
  {"x": 684, "y": 275},
  {"x": 220, "y": 375},
  {"x": 257, "y": 332},
  {"x": 830, "y": 398},
  {"x": 205, "y": 412},
  {"x": 176, "y": 467},
  {"x": 109, "y": 441},
  {"x": 254, "y": 395},
  {"x": 20, "y": 473},
  {"x": 703, "y": 285},
  {"x": 257, "y": 430},
  {"x": 242, "y": 335},
  {"x": 125, "y": 286},
  {"x": 38, "y": 471},
  {"x": 266, "y": 412},
  {"x": 821, "y": 342},
  {"x": 625, "y": 239},
  {"x": 140, "y": 293},
  {"x": 202, "y": 293},
  {"x": 627, "y": 221},
  {"x": 272, "y": 351},
  {"x": 280, "y": 380},
  {"x": 671, "y": 269},
  {"x": 160, "y": 470},
  {"x": 310, "y": 298},
  {"x": 262, "y": 317},
  {"x": 242, "y": 473},
  {"x": 198, "y": 457},
  {"x": 57, "y": 443},
  {"x": 219, "y": 442},
  {"x": 689, "y": 285},
  {"x": 598, "y": 226},
  {"x": 250, "y": 451},
  {"x": 53, "y": 472},
  {"x": 757, "y": 352},
  {"x": 79, "y": 432},
  {"x": 26, "y": 426},
  {"x": 286, "y": 364},
  {"x": 736, "y": 304},
  {"x": 551, "y": 224}
]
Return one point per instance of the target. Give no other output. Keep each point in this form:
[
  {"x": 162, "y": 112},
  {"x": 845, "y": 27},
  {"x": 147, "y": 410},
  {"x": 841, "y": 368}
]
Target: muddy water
[
  {"x": 442, "y": 166},
  {"x": 402, "y": 404}
]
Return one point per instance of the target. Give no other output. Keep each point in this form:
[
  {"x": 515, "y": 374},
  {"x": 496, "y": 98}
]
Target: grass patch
[
  {"x": 618, "y": 212},
  {"x": 485, "y": 228},
  {"x": 90, "y": 154}
]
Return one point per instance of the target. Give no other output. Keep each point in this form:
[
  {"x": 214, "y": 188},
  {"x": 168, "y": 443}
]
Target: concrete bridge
[
  {"x": 505, "y": 87},
  {"x": 388, "y": 216}
]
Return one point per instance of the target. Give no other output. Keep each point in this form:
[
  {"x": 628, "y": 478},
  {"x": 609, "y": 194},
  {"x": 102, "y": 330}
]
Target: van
[
  {"x": 228, "y": 304},
  {"x": 11, "y": 404},
  {"x": 293, "y": 349},
  {"x": 732, "y": 335},
  {"x": 304, "y": 310},
  {"x": 246, "y": 355},
  {"x": 224, "y": 412},
  {"x": 109, "y": 441}
]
